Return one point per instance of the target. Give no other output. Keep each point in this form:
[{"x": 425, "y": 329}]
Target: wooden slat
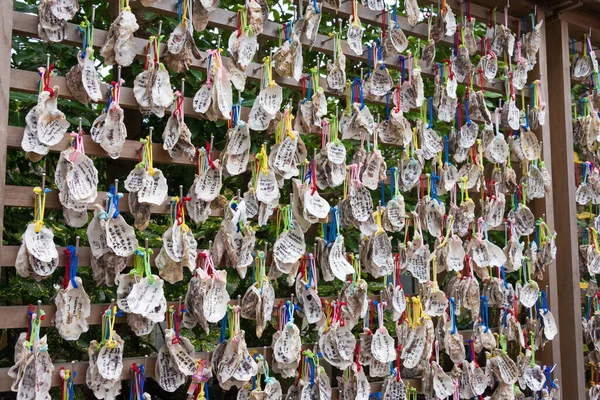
[
  {"x": 226, "y": 20},
  {"x": 81, "y": 367},
  {"x": 9, "y": 256},
  {"x": 150, "y": 363},
  {"x": 373, "y": 18},
  {"x": 570, "y": 334},
  {"x": 27, "y": 82},
  {"x": 26, "y": 25},
  {"x": 478, "y": 11},
  {"x": 22, "y": 196},
  {"x": 5, "y": 72},
  {"x": 93, "y": 149},
  {"x": 580, "y": 23},
  {"x": 16, "y": 317}
]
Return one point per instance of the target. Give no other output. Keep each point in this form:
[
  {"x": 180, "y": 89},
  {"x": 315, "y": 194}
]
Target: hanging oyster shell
[
  {"x": 120, "y": 47},
  {"x": 181, "y": 47}
]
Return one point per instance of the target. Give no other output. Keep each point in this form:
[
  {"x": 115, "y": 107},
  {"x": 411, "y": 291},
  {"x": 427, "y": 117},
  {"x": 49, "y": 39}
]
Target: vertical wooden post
[
  {"x": 570, "y": 334},
  {"x": 545, "y": 206},
  {"x": 5, "y": 48}
]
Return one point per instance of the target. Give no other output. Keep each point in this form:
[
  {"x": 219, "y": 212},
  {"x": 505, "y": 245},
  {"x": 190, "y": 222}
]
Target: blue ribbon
[
  {"x": 387, "y": 106},
  {"x": 73, "y": 263},
  {"x": 392, "y": 182},
  {"x": 309, "y": 91},
  {"x": 358, "y": 84},
  {"x": 333, "y": 225},
  {"x": 549, "y": 382},
  {"x": 311, "y": 366},
  {"x": 434, "y": 190},
  {"x": 142, "y": 378},
  {"x": 115, "y": 196},
  {"x": 484, "y": 313},
  {"x": 379, "y": 53},
  {"x": 180, "y": 10},
  {"x": 430, "y": 102},
  {"x": 71, "y": 384},
  {"x": 84, "y": 44},
  {"x": 467, "y": 113},
  {"x": 375, "y": 396},
  {"x": 310, "y": 278},
  {"x": 452, "y": 307}
]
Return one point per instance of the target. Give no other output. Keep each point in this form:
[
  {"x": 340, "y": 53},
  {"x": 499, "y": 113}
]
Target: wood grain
[
  {"x": 27, "y": 82},
  {"x": 16, "y": 316},
  {"x": 545, "y": 206},
  {"x": 5, "y": 72},
  {"x": 226, "y": 20},
  {"x": 570, "y": 336},
  {"x": 22, "y": 196},
  {"x": 25, "y": 25},
  {"x": 93, "y": 149}
]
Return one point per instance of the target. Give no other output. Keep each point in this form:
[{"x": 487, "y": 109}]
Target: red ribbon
[
  {"x": 467, "y": 264},
  {"x": 481, "y": 80},
  {"x": 210, "y": 159},
  {"x": 46, "y": 80},
  {"x": 356, "y": 353},
  {"x": 469, "y": 10}
]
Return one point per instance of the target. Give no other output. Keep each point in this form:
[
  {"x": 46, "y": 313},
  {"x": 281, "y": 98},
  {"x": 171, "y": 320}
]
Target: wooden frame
[{"x": 24, "y": 81}]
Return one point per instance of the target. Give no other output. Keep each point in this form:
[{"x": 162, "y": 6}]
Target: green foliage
[{"x": 29, "y": 54}]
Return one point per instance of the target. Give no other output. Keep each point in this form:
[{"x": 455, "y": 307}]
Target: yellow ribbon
[
  {"x": 39, "y": 205},
  {"x": 263, "y": 159},
  {"x": 112, "y": 343},
  {"x": 148, "y": 155}
]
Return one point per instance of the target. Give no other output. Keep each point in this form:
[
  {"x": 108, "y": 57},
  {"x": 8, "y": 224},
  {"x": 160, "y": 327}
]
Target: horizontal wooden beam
[
  {"x": 80, "y": 368},
  {"x": 374, "y": 18},
  {"x": 227, "y": 20},
  {"x": 16, "y": 317},
  {"x": 9, "y": 257},
  {"x": 150, "y": 362},
  {"x": 27, "y": 82},
  {"x": 26, "y": 25},
  {"x": 22, "y": 196},
  {"x": 93, "y": 149},
  {"x": 481, "y": 12},
  {"x": 581, "y": 23}
]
